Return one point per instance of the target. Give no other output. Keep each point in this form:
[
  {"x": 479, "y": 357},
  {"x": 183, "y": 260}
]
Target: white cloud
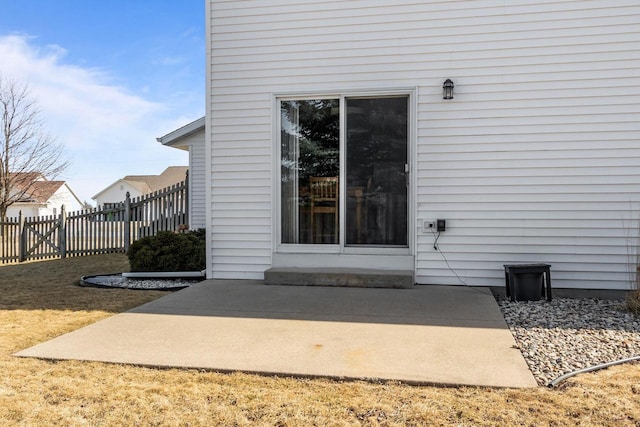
[{"x": 107, "y": 131}]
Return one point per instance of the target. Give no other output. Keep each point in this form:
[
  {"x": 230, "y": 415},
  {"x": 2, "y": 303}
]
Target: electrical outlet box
[
  {"x": 441, "y": 225},
  {"x": 429, "y": 225}
]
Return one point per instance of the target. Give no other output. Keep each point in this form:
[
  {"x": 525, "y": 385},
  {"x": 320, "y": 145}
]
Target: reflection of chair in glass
[{"x": 324, "y": 200}]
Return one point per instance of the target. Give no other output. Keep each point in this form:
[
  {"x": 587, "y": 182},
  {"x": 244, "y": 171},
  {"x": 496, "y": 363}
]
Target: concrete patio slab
[{"x": 428, "y": 334}]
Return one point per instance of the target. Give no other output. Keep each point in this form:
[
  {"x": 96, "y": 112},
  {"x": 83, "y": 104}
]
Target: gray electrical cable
[{"x": 592, "y": 368}]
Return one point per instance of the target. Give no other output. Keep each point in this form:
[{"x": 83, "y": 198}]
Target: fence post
[
  {"x": 185, "y": 202},
  {"x": 127, "y": 221},
  {"x": 22, "y": 242},
  {"x": 62, "y": 232}
]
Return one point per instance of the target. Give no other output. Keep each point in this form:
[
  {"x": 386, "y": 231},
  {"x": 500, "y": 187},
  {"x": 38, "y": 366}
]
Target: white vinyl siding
[
  {"x": 536, "y": 159},
  {"x": 197, "y": 177},
  {"x": 241, "y": 189}
]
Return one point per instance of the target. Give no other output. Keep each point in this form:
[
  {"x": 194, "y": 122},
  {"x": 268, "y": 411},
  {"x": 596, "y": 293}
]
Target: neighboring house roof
[
  {"x": 41, "y": 191},
  {"x": 22, "y": 183},
  {"x": 21, "y": 180},
  {"x": 36, "y": 188},
  {"x": 172, "y": 139},
  {"x": 150, "y": 183},
  {"x": 171, "y": 175}
]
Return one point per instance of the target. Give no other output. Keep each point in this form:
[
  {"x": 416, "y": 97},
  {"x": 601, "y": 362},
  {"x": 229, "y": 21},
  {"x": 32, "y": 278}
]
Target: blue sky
[{"x": 109, "y": 77}]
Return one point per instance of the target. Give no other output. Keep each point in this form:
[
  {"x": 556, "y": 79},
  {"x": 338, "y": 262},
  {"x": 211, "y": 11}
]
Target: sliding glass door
[
  {"x": 376, "y": 170},
  {"x": 372, "y": 133}
]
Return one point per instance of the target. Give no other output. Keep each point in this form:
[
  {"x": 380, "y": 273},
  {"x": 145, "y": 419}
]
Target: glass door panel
[
  {"x": 310, "y": 167},
  {"x": 376, "y": 177}
]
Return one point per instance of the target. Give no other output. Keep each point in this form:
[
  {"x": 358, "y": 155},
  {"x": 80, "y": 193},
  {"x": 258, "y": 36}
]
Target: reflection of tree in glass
[
  {"x": 377, "y": 128},
  {"x": 377, "y": 136},
  {"x": 316, "y": 123}
]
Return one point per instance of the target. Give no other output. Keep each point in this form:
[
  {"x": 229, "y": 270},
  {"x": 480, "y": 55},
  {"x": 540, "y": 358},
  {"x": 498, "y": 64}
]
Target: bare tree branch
[{"x": 25, "y": 146}]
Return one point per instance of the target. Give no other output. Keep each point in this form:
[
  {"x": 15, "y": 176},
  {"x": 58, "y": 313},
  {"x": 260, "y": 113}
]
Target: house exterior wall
[
  {"x": 197, "y": 172},
  {"x": 534, "y": 160},
  {"x": 27, "y": 209},
  {"x": 63, "y": 197},
  {"x": 117, "y": 193}
]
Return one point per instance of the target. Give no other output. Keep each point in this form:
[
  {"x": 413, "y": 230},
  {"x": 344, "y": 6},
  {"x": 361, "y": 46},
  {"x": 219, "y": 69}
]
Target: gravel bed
[
  {"x": 118, "y": 281},
  {"x": 565, "y": 334}
]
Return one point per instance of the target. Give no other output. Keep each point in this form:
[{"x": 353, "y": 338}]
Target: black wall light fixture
[{"x": 447, "y": 89}]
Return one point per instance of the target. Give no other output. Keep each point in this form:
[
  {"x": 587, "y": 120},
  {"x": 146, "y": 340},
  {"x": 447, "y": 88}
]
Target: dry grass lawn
[{"x": 40, "y": 300}]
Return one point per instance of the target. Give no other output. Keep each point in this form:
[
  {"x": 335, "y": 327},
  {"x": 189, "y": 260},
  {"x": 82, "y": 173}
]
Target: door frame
[{"x": 277, "y": 246}]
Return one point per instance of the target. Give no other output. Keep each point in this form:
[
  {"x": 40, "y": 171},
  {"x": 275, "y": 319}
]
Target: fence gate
[{"x": 41, "y": 238}]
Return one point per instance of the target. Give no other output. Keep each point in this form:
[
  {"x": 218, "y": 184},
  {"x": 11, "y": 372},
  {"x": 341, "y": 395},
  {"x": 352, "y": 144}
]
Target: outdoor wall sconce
[{"x": 447, "y": 89}]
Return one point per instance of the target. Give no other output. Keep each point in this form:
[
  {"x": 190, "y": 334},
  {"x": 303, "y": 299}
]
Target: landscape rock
[{"x": 567, "y": 334}]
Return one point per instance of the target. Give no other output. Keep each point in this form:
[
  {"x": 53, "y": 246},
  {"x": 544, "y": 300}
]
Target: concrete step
[{"x": 347, "y": 277}]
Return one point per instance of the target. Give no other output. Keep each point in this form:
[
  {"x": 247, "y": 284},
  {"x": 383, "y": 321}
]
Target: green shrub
[{"x": 168, "y": 251}]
